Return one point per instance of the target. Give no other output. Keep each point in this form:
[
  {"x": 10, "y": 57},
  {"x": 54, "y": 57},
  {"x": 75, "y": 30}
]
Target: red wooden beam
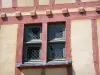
[
  {"x": 95, "y": 46},
  {"x": 19, "y": 49},
  {"x": 52, "y": 2},
  {"x": 36, "y": 3},
  {"x": 20, "y": 43},
  {"x": 68, "y": 40},
  {"x": 44, "y": 42},
  {"x": 14, "y": 3}
]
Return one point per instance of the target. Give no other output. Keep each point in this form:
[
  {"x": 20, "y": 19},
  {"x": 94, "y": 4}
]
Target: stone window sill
[{"x": 43, "y": 64}]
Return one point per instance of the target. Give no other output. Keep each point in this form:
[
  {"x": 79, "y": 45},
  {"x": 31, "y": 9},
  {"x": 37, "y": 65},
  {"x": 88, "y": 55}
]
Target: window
[
  {"x": 56, "y": 41},
  {"x": 56, "y": 32},
  {"x": 55, "y": 44},
  {"x": 56, "y": 51},
  {"x": 32, "y": 43}
]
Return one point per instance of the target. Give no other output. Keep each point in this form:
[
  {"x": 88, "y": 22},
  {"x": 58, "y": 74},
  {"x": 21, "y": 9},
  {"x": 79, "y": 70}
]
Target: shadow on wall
[
  {"x": 50, "y": 71},
  {"x": 73, "y": 71},
  {"x": 70, "y": 70},
  {"x": 31, "y": 71}
]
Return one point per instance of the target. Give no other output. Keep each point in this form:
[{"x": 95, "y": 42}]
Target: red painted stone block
[
  {"x": 18, "y": 14},
  {"x": 33, "y": 13},
  {"x": 48, "y": 12},
  {"x": 3, "y": 15},
  {"x": 98, "y": 9},
  {"x": 64, "y": 11},
  {"x": 81, "y": 9}
]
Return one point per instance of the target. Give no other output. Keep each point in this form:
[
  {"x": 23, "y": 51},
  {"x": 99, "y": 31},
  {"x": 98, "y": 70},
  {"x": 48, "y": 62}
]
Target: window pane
[
  {"x": 43, "y": 2},
  {"x": 33, "y": 52},
  {"x": 6, "y": 3},
  {"x": 33, "y": 33},
  {"x": 56, "y": 51},
  {"x": 56, "y": 31}
]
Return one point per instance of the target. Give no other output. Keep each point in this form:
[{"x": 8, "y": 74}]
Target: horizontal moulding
[{"x": 50, "y": 12}]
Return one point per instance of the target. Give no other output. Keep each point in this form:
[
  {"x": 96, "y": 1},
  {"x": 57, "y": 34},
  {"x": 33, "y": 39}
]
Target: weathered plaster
[
  {"x": 22, "y": 3},
  {"x": 81, "y": 44},
  {"x": 6, "y": 3},
  {"x": 56, "y": 71},
  {"x": 8, "y": 39},
  {"x": 64, "y": 1}
]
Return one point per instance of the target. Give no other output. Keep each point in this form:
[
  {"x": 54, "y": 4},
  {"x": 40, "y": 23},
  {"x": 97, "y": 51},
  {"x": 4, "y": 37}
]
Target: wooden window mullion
[
  {"x": 52, "y": 2},
  {"x": 20, "y": 43},
  {"x": 44, "y": 42},
  {"x": 68, "y": 40},
  {"x": 36, "y": 3}
]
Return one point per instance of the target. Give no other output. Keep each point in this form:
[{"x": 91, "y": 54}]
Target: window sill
[
  {"x": 43, "y": 64},
  {"x": 53, "y": 41},
  {"x": 33, "y": 42}
]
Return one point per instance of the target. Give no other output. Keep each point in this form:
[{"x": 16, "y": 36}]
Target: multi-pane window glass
[
  {"x": 56, "y": 31},
  {"x": 56, "y": 48},
  {"x": 33, "y": 33},
  {"x": 32, "y": 42},
  {"x": 56, "y": 51},
  {"x": 32, "y": 53}
]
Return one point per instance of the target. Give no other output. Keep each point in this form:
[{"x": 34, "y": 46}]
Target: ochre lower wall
[
  {"x": 56, "y": 71},
  {"x": 31, "y": 71},
  {"x": 47, "y": 71},
  {"x": 81, "y": 44},
  {"x": 8, "y": 39}
]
